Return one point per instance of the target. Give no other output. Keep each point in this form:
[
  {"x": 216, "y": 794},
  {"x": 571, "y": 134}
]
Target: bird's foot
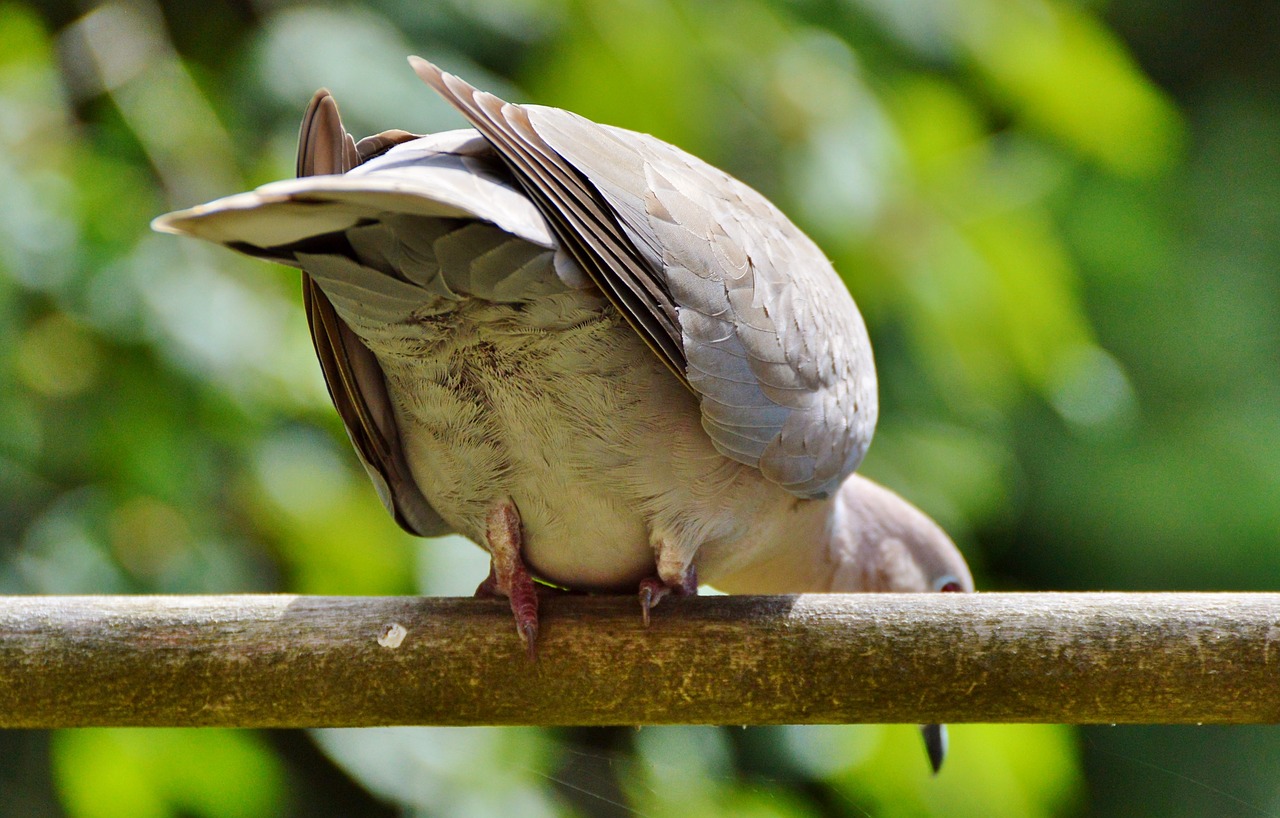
[
  {"x": 508, "y": 575},
  {"x": 654, "y": 589}
]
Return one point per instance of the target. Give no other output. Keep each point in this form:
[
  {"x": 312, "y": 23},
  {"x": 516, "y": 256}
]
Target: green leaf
[{"x": 159, "y": 773}]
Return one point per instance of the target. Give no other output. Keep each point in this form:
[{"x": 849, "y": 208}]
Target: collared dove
[{"x": 611, "y": 364}]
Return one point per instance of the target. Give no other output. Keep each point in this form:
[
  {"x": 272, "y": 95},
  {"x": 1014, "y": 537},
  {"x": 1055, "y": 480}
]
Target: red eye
[{"x": 952, "y": 587}]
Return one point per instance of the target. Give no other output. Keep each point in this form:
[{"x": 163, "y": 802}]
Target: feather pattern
[{"x": 738, "y": 301}]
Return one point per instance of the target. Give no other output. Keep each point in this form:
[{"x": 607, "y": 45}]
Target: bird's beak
[{"x": 935, "y": 744}]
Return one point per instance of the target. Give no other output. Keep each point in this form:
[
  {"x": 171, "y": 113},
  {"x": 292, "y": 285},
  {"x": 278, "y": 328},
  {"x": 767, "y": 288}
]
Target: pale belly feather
[{"x": 558, "y": 406}]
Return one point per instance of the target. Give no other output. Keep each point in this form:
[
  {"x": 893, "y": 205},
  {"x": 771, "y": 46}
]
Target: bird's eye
[{"x": 948, "y": 585}]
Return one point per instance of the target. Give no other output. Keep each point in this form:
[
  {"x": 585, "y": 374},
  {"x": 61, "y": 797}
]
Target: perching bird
[{"x": 609, "y": 363}]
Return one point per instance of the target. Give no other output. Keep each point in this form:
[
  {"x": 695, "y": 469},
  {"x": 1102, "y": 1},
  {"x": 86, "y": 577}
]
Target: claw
[
  {"x": 655, "y": 589},
  {"x": 652, "y": 590},
  {"x": 529, "y": 635}
]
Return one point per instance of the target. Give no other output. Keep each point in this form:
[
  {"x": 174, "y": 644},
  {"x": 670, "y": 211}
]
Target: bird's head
[{"x": 898, "y": 548}]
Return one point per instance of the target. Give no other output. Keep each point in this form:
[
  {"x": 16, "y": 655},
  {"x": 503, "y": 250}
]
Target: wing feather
[
  {"x": 756, "y": 305},
  {"x": 763, "y": 315},
  {"x": 351, "y": 372},
  {"x": 583, "y": 223}
]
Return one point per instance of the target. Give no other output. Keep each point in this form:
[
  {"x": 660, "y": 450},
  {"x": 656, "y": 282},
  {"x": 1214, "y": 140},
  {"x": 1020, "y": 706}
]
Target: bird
[{"x": 610, "y": 364}]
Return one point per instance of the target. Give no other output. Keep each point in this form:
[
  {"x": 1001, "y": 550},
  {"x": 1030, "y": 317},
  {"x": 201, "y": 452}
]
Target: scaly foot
[{"x": 508, "y": 575}]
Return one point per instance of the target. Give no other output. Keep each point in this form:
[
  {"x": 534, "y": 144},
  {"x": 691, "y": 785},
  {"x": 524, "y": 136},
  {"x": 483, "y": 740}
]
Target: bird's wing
[
  {"x": 416, "y": 225},
  {"x": 582, "y": 222},
  {"x": 259, "y": 224},
  {"x": 351, "y": 371},
  {"x": 738, "y": 303}
]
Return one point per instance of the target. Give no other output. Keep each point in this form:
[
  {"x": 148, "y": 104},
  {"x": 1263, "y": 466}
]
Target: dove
[{"x": 610, "y": 364}]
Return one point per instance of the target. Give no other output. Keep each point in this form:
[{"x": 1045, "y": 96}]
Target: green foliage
[
  {"x": 1067, "y": 265},
  {"x": 1029, "y": 770},
  {"x": 137, "y": 773},
  {"x": 451, "y": 771}
]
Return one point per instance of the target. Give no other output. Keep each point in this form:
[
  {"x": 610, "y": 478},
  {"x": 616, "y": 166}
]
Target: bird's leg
[
  {"x": 508, "y": 575},
  {"x": 676, "y": 574}
]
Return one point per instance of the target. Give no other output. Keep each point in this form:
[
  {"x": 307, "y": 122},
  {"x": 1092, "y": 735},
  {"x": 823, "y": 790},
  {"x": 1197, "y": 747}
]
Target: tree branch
[{"x": 289, "y": 661}]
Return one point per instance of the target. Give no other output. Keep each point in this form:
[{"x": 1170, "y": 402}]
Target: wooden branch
[{"x": 288, "y": 661}]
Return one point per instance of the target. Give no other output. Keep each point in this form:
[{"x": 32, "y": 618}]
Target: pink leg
[
  {"x": 683, "y": 582},
  {"x": 507, "y": 573}
]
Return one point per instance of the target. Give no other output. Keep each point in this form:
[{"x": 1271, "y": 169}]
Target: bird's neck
[{"x": 786, "y": 553}]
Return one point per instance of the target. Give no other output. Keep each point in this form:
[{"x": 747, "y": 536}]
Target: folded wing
[{"x": 738, "y": 303}]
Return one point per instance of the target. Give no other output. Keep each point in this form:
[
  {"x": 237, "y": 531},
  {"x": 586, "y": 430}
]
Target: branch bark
[{"x": 289, "y": 661}]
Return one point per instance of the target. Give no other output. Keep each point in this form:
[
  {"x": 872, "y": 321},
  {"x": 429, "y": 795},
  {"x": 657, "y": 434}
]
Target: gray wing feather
[
  {"x": 740, "y": 304},
  {"x": 419, "y": 223},
  {"x": 412, "y": 179},
  {"x": 773, "y": 343},
  {"x": 583, "y": 223}
]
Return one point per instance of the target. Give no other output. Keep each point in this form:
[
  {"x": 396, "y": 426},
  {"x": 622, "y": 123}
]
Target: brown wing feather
[
  {"x": 581, "y": 219},
  {"x": 324, "y": 146},
  {"x": 351, "y": 371}
]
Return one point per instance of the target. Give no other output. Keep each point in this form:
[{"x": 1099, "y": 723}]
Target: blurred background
[{"x": 1059, "y": 218}]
